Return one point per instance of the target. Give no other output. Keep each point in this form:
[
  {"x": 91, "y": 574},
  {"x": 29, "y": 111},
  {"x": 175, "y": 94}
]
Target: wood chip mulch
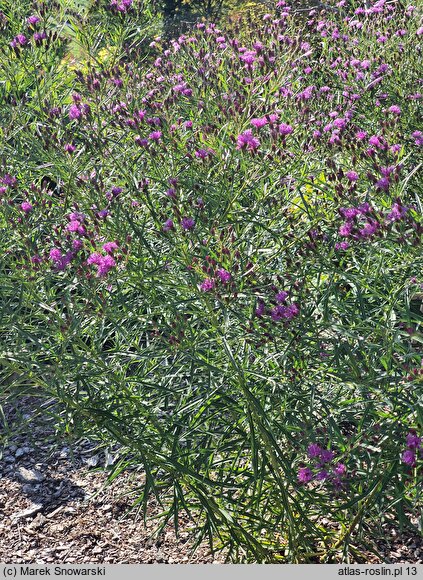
[{"x": 54, "y": 507}]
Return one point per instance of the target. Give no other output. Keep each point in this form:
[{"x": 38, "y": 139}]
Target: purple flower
[
  {"x": 418, "y": 138},
  {"x": 258, "y": 123},
  {"x": 26, "y": 207},
  {"x": 413, "y": 441},
  {"x": 305, "y": 475},
  {"x": 285, "y": 129},
  {"x": 322, "y": 475},
  {"x": 342, "y": 246},
  {"x": 352, "y": 176},
  {"x": 69, "y": 148},
  {"x": 334, "y": 138},
  {"x": 306, "y": 94},
  {"x": 60, "y": 262},
  {"x": 224, "y": 275},
  {"x": 171, "y": 192},
  {"x": 284, "y": 312},
  {"x": 54, "y": 112},
  {"x": 140, "y": 141},
  {"x": 94, "y": 258},
  {"x": 247, "y": 140},
  {"x": 249, "y": 57},
  {"x": 369, "y": 229},
  {"x": 55, "y": 255},
  {"x": 281, "y": 296},
  {"x": 201, "y": 154},
  {"x": 21, "y": 39},
  {"x": 188, "y": 223},
  {"x": 278, "y": 313},
  {"x": 340, "y": 123},
  {"x": 39, "y": 37},
  {"x": 292, "y": 311},
  {"x": 106, "y": 264},
  {"x": 327, "y": 455},
  {"x": 204, "y": 153},
  {"x": 409, "y": 458},
  {"x": 395, "y": 110},
  {"x": 361, "y": 135},
  {"x": 397, "y": 212},
  {"x": 155, "y": 136},
  {"x": 123, "y": 7},
  {"x": 32, "y": 20},
  {"x": 168, "y": 225},
  {"x": 364, "y": 208},
  {"x": 314, "y": 450},
  {"x": 340, "y": 469},
  {"x": 110, "y": 247},
  {"x": 387, "y": 171},
  {"x": 375, "y": 141},
  {"x": 383, "y": 183},
  {"x": 349, "y": 212},
  {"x": 346, "y": 229},
  {"x": 75, "y": 226},
  {"x": 77, "y": 215},
  {"x": 260, "y": 310},
  {"x": 75, "y": 112},
  {"x": 207, "y": 285}
]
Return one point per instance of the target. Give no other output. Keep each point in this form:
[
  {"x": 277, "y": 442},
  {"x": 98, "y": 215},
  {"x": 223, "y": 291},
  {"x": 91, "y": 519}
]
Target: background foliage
[{"x": 211, "y": 253}]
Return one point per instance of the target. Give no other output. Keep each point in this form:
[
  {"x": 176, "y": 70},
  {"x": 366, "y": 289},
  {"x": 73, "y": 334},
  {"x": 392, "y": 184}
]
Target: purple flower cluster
[
  {"x": 104, "y": 263},
  {"x": 18, "y": 41},
  {"x": 26, "y": 207},
  {"x": 78, "y": 110},
  {"x": 281, "y": 311},
  {"x": 324, "y": 467},
  {"x": 246, "y": 140},
  {"x": 121, "y": 6},
  {"x": 221, "y": 275},
  {"x": 414, "y": 448},
  {"x": 59, "y": 260},
  {"x": 363, "y": 222}
]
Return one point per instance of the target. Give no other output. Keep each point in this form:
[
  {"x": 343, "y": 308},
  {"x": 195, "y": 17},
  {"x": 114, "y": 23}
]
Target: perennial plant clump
[{"x": 210, "y": 253}]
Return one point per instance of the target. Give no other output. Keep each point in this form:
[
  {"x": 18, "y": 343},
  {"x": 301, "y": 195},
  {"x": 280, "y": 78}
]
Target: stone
[
  {"x": 93, "y": 461},
  {"x": 27, "y": 488},
  {"x": 30, "y": 475},
  {"x": 21, "y": 451}
]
